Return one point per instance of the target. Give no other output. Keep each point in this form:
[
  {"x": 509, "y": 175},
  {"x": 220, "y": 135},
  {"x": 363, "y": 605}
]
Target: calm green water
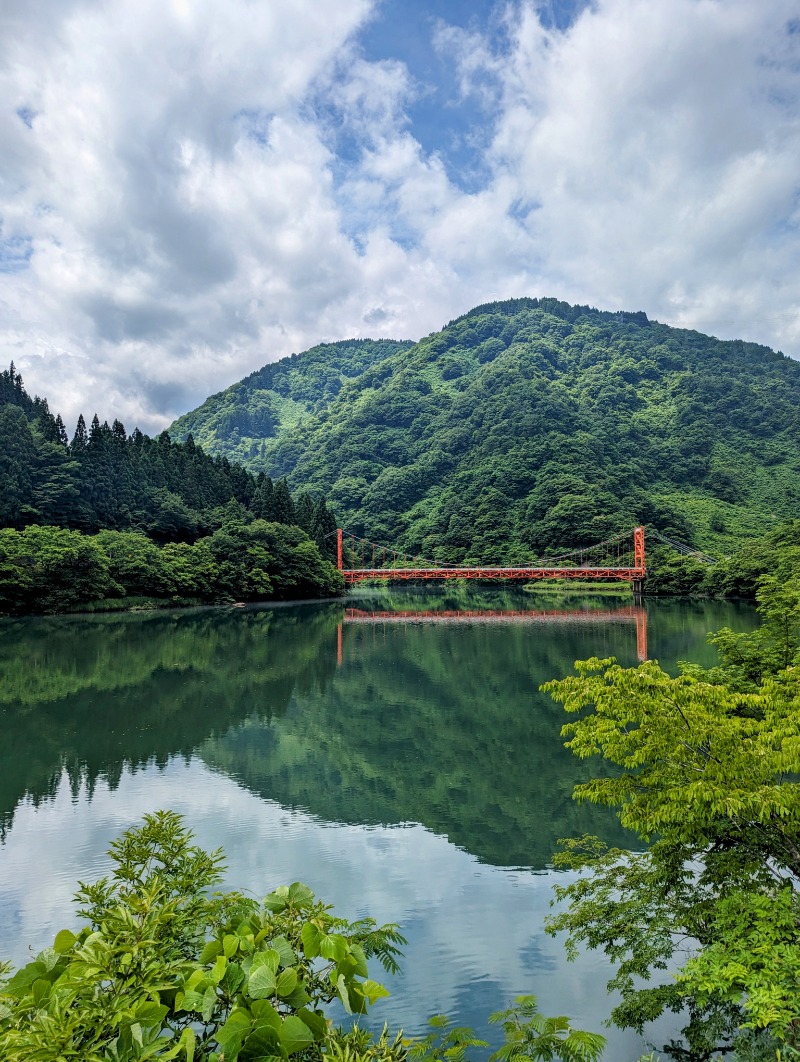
[{"x": 401, "y": 763}]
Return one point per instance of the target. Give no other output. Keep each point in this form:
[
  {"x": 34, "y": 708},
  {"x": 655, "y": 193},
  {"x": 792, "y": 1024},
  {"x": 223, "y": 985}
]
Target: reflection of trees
[
  {"x": 98, "y": 695},
  {"x": 438, "y": 725}
]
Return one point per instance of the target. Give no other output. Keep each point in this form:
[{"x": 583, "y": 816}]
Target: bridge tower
[{"x": 639, "y": 560}]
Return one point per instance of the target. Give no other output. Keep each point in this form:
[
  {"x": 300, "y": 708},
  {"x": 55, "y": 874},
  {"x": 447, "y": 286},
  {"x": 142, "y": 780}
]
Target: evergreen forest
[{"x": 116, "y": 518}]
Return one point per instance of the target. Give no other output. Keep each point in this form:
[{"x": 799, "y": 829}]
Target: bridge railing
[{"x": 620, "y": 558}]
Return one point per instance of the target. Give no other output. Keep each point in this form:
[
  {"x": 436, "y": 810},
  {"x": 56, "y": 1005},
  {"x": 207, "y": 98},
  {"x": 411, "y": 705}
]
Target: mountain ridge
[{"x": 529, "y": 423}]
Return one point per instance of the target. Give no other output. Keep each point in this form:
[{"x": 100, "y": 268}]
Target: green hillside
[
  {"x": 526, "y": 425},
  {"x": 242, "y": 422}
]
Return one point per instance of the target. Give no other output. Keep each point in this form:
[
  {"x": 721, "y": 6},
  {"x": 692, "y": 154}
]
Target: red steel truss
[{"x": 635, "y": 574}]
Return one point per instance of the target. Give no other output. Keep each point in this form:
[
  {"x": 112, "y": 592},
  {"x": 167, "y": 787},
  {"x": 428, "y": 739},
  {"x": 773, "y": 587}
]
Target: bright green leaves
[
  {"x": 64, "y": 942},
  {"x": 295, "y": 1034},
  {"x": 286, "y": 953},
  {"x": 755, "y": 956},
  {"x": 234, "y": 1032},
  {"x": 143, "y": 980},
  {"x": 709, "y": 769},
  {"x": 444, "y": 1044},
  {"x": 296, "y": 896},
  {"x": 263, "y": 978},
  {"x": 694, "y": 753},
  {"x": 255, "y": 1029},
  {"x": 530, "y": 1035},
  {"x": 311, "y": 936}
]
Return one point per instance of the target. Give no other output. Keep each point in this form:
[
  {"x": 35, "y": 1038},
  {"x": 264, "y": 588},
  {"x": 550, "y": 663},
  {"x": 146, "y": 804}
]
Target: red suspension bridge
[{"x": 620, "y": 558}]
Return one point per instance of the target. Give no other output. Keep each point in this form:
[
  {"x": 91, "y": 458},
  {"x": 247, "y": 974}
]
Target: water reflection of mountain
[
  {"x": 97, "y": 695},
  {"x": 439, "y": 725}
]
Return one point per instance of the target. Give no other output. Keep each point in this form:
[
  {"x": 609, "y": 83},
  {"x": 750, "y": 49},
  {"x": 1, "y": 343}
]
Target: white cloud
[
  {"x": 203, "y": 187},
  {"x": 659, "y": 141}
]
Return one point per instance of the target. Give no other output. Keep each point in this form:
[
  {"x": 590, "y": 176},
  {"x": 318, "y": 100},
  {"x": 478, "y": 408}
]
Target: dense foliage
[
  {"x": 775, "y": 554},
  {"x": 709, "y": 763},
  {"x": 167, "y": 970},
  {"x": 110, "y": 515},
  {"x": 527, "y": 425},
  {"x": 52, "y": 569}
]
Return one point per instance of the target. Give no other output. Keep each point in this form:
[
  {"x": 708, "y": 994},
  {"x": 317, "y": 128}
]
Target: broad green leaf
[
  {"x": 219, "y": 968},
  {"x": 374, "y": 991},
  {"x": 311, "y": 937},
  {"x": 300, "y": 895},
  {"x": 360, "y": 968},
  {"x": 317, "y": 1023},
  {"x": 233, "y": 1033},
  {"x": 22, "y": 980},
  {"x": 298, "y": 998},
  {"x": 208, "y": 1003},
  {"x": 233, "y": 979},
  {"x": 284, "y": 950},
  {"x": 332, "y": 946},
  {"x": 261, "y": 982},
  {"x": 189, "y": 1001},
  {"x": 269, "y": 958},
  {"x": 264, "y": 1014},
  {"x": 263, "y": 1040},
  {"x": 212, "y": 949},
  {"x": 64, "y": 942},
  {"x": 49, "y": 956},
  {"x": 295, "y": 1034},
  {"x": 188, "y": 1044},
  {"x": 286, "y": 983},
  {"x": 151, "y": 1014},
  {"x": 197, "y": 981},
  {"x": 278, "y": 900},
  {"x": 343, "y": 994},
  {"x": 40, "y": 991}
]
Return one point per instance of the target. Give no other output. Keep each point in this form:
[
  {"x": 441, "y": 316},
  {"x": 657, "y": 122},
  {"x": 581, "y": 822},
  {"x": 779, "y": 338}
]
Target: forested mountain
[
  {"x": 241, "y": 422},
  {"x": 526, "y": 425}
]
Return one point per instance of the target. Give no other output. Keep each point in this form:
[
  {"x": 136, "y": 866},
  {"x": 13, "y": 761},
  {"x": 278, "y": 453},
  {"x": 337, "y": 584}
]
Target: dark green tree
[
  {"x": 323, "y": 530},
  {"x": 282, "y": 504},
  {"x": 304, "y": 512}
]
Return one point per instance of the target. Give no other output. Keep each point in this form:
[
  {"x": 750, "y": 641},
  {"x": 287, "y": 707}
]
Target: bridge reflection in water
[{"x": 633, "y": 614}]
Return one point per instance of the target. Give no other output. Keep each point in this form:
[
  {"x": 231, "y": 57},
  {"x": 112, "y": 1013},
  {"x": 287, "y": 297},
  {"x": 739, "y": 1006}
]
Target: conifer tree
[
  {"x": 283, "y": 506},
  {"x": 61, "y": 431},
  {"x": 304, "y": 513},
  {"x": 263, "y": 499},
  {"x": 17, "y": 457},
  {"x": 80, "y": 439},
  {"x": 323, "y": 526}
]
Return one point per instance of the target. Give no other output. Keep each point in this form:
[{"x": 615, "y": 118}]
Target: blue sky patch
[
  {"x": 15, "y": 253},
  {"x": 27, "y": 114}
]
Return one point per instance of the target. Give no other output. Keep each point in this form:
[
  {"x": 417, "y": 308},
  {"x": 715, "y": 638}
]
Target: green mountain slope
[
  {"x": 529, "y": 424},
  {"x": 240, "y": 422}
]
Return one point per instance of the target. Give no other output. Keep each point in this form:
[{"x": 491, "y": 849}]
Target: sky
[{"x": 190, "y": 189}]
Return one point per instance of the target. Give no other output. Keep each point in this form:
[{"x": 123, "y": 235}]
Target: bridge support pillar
[{"x": 638, "y": 587}]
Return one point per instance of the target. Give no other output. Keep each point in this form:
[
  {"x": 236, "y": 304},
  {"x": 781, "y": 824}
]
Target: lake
[{"x": 391, "y": 751}]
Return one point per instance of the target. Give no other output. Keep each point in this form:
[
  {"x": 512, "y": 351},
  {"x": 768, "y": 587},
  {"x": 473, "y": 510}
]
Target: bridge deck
[{"x": 357, "y": 575}]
